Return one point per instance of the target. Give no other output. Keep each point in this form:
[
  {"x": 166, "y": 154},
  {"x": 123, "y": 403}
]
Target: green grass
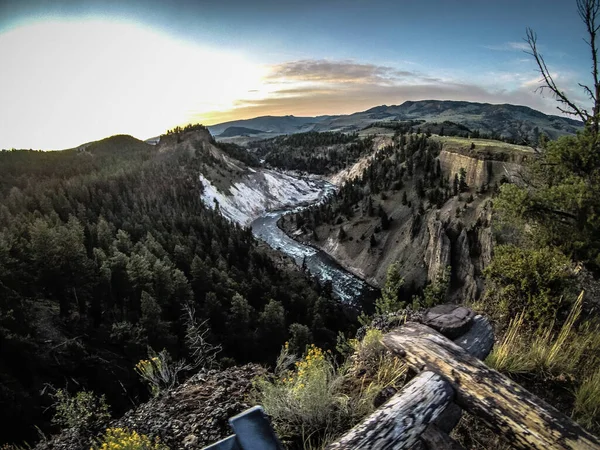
[
  {"x": 511, "y": 356},
  {"x": 481, "y": 143},
  {"x": 587, "y": 402},
  {"x": 572, "y": 353},
  {"x": 546, "y": 351}
]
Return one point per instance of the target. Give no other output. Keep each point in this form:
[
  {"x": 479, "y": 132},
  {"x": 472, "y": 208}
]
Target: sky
[{"x": 77, "y": 71}]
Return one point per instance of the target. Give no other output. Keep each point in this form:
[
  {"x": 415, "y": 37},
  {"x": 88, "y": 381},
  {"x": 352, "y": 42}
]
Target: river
[{"x": 347, "y": 286}]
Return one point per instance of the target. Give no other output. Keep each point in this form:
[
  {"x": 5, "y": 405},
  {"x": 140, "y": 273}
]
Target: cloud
[
  {"x": 509, "y": 46},
  {"x": 345, "y": 71},
  {"x": 354, "y": 98},
  {"x": 324, "y": 87}
]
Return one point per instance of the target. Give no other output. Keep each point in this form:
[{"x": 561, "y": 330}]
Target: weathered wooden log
[
  {"x": 436, "y": 439},
  {"x": 507, "y": 408},
  {"x": 399, "y": 423},
  {"x": 477, "y": 341}
]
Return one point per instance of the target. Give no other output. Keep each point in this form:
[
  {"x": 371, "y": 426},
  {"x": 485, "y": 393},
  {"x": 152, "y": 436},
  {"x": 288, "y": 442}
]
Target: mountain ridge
[{"x": 512, "y": 122}]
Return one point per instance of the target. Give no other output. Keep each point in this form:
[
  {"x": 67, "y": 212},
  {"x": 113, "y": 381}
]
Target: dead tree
[{"x": 589, "y": 12}]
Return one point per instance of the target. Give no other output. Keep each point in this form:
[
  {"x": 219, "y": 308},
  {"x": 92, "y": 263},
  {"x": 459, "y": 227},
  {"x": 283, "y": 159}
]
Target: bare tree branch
[
  {"x": 588, "y": 11},
  {"x": 549, "y": 83},
  {"x": 588, "y": 91},
  {"x": 203, "y": 353}
]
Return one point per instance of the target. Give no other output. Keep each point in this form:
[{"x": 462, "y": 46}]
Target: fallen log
[
  {"x": 525, "y": 420},
  {"x": 399, "y": 423},
  {"x": 477, "y": 337}
]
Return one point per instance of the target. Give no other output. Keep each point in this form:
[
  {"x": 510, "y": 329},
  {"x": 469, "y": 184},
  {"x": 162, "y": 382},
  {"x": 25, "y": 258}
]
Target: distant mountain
[
  {"x": 507, "y": 121},
  {"x": 272, "y": 124},
  {"x": 239, "y": 131}
]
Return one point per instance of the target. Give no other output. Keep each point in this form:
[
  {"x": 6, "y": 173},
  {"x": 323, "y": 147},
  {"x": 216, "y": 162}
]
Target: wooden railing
[{"x": 446, "y": 351}]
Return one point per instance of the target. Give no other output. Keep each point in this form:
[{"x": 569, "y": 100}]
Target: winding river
[{"x": 348, "y": 287}]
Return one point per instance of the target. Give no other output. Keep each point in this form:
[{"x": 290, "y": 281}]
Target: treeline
[
  {"x": 186, "y": 128},
  {"x": 448, "y": 128},
  {"x": 239, "y": 153},
  {"x": 99, "y": 251},
  {"x": 313, "y": 152}
]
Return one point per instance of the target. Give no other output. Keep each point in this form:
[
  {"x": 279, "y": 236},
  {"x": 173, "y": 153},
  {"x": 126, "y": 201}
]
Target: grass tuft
[
  {"x": 511, "y": 355},
  {"x": 587, "y": 402}
]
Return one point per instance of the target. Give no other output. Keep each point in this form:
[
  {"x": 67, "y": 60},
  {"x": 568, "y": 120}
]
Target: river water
[{"x": 348, "y": 287}]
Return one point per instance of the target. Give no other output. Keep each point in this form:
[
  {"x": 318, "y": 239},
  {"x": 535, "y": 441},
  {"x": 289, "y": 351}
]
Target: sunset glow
[
  {"x": 73, "y": 72},
  {"x": 87, "y": 80}
]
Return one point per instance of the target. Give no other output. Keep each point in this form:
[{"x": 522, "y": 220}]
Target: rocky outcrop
[
  {"x": 480, "y": 170},
  {"x": 465, "y": 269},
  {"x": 190, "y": 416},
  {"x": 437, "y": 253}
]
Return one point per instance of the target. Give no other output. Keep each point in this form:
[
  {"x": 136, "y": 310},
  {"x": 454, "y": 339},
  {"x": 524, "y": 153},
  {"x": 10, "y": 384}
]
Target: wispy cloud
[
  {"x": 353, "y": 98},
  {"x": 509, "y": 47},
  {"x": 344, "y": 71},
  {"x": 324, "y": 87}
]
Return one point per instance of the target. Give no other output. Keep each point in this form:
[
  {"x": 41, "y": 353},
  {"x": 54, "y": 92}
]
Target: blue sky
[{"x": 212, "y": 61}]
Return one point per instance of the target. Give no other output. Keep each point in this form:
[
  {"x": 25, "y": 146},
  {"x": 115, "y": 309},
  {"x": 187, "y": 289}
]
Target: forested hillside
[
  {"x": 402, "y": 207},
  {"x": 312, "y": 152},
  {"x": 100, "y": 250}
]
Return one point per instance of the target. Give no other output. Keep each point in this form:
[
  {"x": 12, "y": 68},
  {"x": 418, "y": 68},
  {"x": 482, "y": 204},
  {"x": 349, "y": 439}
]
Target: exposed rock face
[
  {"x": 437, "y": 253},
  {"x": 258, "y": 191},
  {"x": 190, "y": 416},
  {"x": 465, "y": 270},
  {"x": 424, "y": 243},
  {"x": 479, "y": 171}
]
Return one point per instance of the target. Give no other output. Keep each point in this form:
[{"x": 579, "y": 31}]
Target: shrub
[
  {"x": 160, "y": 371},
  {"x": 389, "y": 301},
  {"x": 83, "y": 410},
  {"x": 435, "y": 292},
  {"x": 528, "y": 279},
  {"x": 123, "y": 439},
  {"x": 304, "y": 401},
  {"x": 313, "y": 400}
]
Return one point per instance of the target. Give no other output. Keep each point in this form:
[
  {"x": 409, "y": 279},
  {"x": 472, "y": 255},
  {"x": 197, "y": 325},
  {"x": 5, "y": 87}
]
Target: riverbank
[{"x": 289, "y": 231}]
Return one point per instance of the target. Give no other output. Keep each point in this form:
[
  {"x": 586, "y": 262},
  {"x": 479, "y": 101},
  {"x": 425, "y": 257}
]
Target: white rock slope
[{"x": 259, "y": 191}]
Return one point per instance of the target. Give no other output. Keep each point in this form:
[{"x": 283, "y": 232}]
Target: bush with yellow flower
[
  {"x": 124, "y": 439},
  {"x": 313, "y": 399}
]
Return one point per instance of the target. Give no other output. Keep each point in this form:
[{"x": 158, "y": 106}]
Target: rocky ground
[{"x": 190, "y": 416}]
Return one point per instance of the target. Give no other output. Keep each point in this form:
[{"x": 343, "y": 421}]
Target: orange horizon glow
[{"x": 68, "y": 82}]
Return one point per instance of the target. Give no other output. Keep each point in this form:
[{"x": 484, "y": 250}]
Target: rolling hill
[
  {"x": 272, "y": 124},
  {"x": 239, "y": 131},
  {"x": 506, "y": 121}
]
